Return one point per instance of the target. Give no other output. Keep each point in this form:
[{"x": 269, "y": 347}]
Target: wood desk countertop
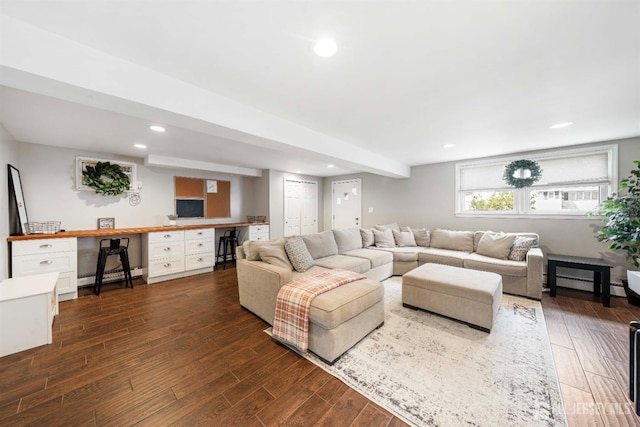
[{"x": 121, "y": 231}]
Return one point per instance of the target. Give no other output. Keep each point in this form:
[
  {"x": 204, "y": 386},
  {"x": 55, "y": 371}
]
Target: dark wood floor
[{"x": 185, "y": 353}]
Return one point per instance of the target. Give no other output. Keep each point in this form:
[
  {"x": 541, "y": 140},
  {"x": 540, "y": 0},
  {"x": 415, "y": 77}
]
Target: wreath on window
[
  {"x": 522, "y": 173},
  {"x": 106, "y": 178}
]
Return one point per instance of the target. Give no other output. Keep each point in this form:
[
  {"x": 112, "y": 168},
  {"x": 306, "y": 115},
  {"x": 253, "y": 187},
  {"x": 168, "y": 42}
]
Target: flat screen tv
[{"x": 190, "y": 208}]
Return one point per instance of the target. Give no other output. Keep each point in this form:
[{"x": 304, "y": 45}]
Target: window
[{"x": 573, "y": 182}]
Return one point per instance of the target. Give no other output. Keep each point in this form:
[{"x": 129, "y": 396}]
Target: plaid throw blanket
[{"x": 291, "y": 324}]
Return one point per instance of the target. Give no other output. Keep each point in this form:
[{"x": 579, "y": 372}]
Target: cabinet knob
[
  {"x": 200, "y": 233},
  {"x": 200, "y": 260},
  {"x": 46, "y": 261},
  {"x": 48, "y": 245},
  {"x": 167, "y": 265},
  {"x": 167, "y": 249},
  {"x": 166, "y": 236},
  {"x": 200, "y": 245}
]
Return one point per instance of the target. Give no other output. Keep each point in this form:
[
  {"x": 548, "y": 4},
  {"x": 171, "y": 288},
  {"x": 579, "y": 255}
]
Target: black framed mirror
[{"x": 17, "y": 208}]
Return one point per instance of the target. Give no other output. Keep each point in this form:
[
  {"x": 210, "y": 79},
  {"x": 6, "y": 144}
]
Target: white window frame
[{"x": 522, "y": 195}]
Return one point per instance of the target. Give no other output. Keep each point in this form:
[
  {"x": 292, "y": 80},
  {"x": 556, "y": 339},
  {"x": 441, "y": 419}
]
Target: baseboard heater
[
  {"x": 583, "y": 284},
  {"x": 110, "y": 277},
  {"x": 634, "y": 364}
]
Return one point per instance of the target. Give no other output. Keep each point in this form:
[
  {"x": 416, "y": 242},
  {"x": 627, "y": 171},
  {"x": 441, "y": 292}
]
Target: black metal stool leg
[
  {"x": 102, "y": 261},
  {"x": 124, "y": 260}
]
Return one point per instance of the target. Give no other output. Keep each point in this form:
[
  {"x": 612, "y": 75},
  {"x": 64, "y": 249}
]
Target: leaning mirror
[{"x": 17, "y": 208}]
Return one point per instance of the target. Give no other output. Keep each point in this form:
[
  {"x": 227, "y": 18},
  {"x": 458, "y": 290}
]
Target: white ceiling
[{"x": 408, "y": 77}]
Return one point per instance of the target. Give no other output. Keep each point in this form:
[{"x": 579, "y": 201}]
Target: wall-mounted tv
[{"x": 190, "y": 208}]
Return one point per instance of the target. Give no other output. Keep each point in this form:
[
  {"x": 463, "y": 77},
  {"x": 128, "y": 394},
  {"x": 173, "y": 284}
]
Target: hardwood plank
[
  {"x": 589, "y": 358},
  {"x": 580, "y": 407},
  {"x": 372, "y": 416},
  {"x": 611, "y": 402},
  {"x": 309, "y": 412},
  {"x": 345, "y": 410},
  {"x": 568, "y": 367}
]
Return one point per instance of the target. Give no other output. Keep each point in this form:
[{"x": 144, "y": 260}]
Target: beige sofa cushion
[
  {"x": 422, "y": 236},
  {"x": 376, "y": 258},
  {"x": 367, "y": 237},
  {"x": 384, "y": 239},
  {"x": 348, "y": 239},
  {"x": 391, "y": 226},
  {"x": 403, "y": 254},
  {"x": 250, "y": 247},
  {"x": 335, "y": 307},
  {"x": 321, "y": 244},
  {"x": 298, "y": 254},
  {"x": 275, "y": 255},
  {"x": 442, "y": 256},
  {"x": 496, "y": 245},
  {"x": 344, "y": 262},
  {"x": 453, "y": 240},
  {"x": 404, "y": 238},
  {"x": 494, "y": 265}
]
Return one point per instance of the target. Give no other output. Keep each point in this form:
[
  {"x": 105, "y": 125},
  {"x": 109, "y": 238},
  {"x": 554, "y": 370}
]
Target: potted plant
[
  {"x": 621, "y": 224},
  {"x": 172, "y": 219}
]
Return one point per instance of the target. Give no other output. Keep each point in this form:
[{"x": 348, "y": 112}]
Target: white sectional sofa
[{"x": 357, "y": 308}]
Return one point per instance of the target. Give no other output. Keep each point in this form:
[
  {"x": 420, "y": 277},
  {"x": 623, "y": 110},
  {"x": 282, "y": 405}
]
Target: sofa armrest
[
  {"x": 258, "y": 286},
  {"x": 535, "y": 271}
]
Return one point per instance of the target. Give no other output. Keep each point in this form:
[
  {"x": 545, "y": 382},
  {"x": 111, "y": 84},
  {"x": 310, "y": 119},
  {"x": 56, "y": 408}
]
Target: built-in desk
[{"x": 168, "y": 252}]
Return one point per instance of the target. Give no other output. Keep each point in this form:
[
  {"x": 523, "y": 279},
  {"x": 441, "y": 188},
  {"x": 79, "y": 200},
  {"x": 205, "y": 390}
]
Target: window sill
[{"x": 576, "y": 216}]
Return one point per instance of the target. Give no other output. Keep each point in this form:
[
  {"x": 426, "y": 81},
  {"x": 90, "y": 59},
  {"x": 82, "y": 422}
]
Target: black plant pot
[{"x": 632, "y": 297}]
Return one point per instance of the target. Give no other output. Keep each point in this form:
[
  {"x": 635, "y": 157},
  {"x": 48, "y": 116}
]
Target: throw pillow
[
  {"x": 367, "y": 237},
  {"x": 520, "y": 248},
  {"x": 422, "y": 236},
  {"x": 251, "y": 247},
  {"x": 495, "y": 245},
  {"x": 384, "y": 239},
  {"x": 321, "y": 244},
  {"x": 348, "y": 239},
  {"x": 392, "y": 226},
  {"x": 275, "y": 255},
  {"x": 298, "y": 254},
  {"x": 404, "y": 238}
]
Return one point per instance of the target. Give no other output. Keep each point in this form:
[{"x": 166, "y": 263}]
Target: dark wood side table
[{"x": 601, "y": 273}]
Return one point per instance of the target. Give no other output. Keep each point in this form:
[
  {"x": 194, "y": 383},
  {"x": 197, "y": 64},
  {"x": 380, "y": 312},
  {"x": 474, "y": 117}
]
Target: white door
[
  {"x": 346, "y": 203},
  {"x": 300, "y": 207}
]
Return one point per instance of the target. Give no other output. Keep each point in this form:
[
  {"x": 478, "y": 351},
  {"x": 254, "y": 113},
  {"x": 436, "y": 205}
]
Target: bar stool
[
  {"x": 229, "y": 240},
  {"x": 113, "y": 248}
]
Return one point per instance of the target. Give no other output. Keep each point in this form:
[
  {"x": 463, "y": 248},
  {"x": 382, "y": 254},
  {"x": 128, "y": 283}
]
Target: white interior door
[
  {"x": 346, "y": 203},
  {"x": 300, "y": 207}
]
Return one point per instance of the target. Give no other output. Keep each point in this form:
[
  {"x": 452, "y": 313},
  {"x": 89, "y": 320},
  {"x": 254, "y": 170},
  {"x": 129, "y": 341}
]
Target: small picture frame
[{"x": 106, "y": 223}]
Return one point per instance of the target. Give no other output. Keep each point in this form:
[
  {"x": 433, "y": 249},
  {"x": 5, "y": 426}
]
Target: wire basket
[
  {"x": 256, "y": 218},
  {"x": 43, "y": 227}
]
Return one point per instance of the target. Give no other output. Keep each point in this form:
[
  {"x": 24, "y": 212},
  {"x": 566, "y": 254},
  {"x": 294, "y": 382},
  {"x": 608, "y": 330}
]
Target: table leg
[
  {"x": 597, "y": 281},
  {"x": 606, "y": 287},
  {"x": 551, "y": 277}
]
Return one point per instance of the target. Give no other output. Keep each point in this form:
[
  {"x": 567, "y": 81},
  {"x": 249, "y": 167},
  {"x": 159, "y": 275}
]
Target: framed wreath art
[
  {"x": 522, "y": 173},
  {"x": 104, "y": 177}
]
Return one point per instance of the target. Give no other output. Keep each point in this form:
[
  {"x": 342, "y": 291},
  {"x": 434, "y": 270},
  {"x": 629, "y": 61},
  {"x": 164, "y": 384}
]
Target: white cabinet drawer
[
  {"x": 44, "y": 246},
  {"x": 198, "y": 246},
  {"x": 259, "y": 229},
  {"x": 205, "y": 233},
  {"x": 164, "y": 267},
  {"x": 169, "y": 236},
  {"x": 67, "y": 282},
  {"x": 25, "y": 265},
  {"x": 193, "y": 262},
  {"x": 263, "y": 236},
  {"x": 166, "y": 250}
]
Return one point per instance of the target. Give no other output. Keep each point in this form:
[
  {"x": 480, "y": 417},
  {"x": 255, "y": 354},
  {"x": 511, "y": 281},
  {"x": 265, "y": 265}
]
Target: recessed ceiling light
[
  {"x": 560, "y": 125},
  {"x": 330, "y": 166},
  {"x": 157, "y": 128},
  {"x": 448, "y": 145},
  {"x": 325, "y": 48},
  {"x": 140, "y": 146}
]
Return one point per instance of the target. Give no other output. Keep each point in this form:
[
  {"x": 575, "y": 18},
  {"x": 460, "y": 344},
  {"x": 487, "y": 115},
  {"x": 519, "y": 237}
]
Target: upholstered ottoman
[
  {"x": 341, "y": 317},
  {"x": 471, "y": 296}
]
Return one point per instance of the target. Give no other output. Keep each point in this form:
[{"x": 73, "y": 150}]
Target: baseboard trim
[
  {"x": 584, "y": 285},
  {"x": 116, "y": 276}
]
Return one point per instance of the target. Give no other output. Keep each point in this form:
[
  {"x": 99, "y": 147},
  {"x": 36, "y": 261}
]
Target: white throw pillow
[
  {"x": 384, "y": 239},
  {"x": 404, "y": 238},
  {"x": 496, "y": 245}
]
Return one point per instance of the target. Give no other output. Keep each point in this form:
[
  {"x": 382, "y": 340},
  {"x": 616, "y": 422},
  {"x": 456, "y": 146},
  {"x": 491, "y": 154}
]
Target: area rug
[{"x": 432, "y": 371}]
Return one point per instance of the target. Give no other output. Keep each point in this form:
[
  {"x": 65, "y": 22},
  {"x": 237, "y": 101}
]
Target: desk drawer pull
[
  {"x": 46, "y": 262},
  {"x": 200, "y": 245},
  {"x": 200, "y": 259},
  {"x": 167, "y": 249},
  {"x": 167, "y": 236},
  {"x": 200, "y": 233},
  {"x": 167, "y": 265},
  {"x": 48, "y": 245}
]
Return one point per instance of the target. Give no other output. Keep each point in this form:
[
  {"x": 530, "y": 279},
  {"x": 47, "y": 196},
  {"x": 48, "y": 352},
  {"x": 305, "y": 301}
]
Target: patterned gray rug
[{"x": 433, "y": 371}]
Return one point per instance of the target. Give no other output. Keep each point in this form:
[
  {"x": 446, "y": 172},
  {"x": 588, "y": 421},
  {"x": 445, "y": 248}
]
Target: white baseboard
[
  {"x": 109, "y": 277},
  {"x": 582, "y": 285}
]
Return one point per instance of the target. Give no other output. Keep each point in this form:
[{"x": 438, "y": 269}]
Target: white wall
[
  {"x": 427, "y": 199},
  {"x": 9, "y": 155}
]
